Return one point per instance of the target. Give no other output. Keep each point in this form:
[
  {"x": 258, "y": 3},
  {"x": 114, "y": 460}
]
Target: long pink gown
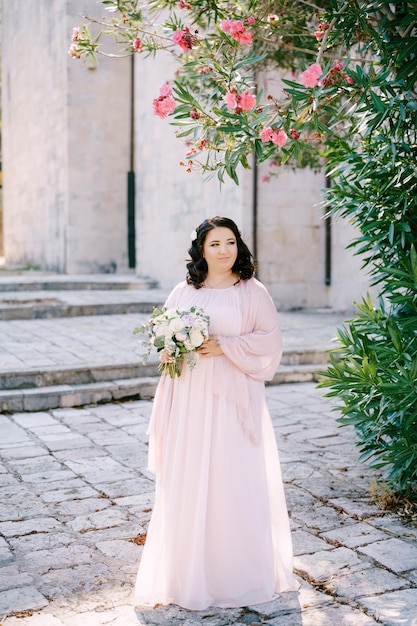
[{"x": 219, "y": 533}]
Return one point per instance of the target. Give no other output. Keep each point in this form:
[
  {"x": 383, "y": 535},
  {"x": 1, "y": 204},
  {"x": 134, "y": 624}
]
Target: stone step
[
  {"x": 44, "y": 281},
  {"x": 32, "y": 378},
  {"x": 29, "y": 305},
  {"x": 73, "y": 395},
  {"x": 50, "y": 308}
]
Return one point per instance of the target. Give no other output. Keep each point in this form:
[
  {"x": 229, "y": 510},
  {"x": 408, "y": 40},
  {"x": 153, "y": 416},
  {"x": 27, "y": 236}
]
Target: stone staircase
[{"x": 29, "y": 302}]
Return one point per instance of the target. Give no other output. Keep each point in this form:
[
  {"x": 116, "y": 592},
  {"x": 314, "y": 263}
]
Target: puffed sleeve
[
  {"x": 257, "y": 351},
  {"x": 172, "y": 300}
]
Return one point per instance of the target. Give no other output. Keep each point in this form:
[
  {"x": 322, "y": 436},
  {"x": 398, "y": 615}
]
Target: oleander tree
[{"x": 347, "y": 102}]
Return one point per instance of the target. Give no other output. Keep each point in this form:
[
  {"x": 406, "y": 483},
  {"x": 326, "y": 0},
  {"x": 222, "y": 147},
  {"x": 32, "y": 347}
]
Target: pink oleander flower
[
  {"x": 247, "y": 101},
  {"x": 272, "y": 18},
  {"x": 225, "y": 25},
  {"x": 165, "y": 104},
  {"x": 245, "y": 38},
  {"x": 265, "y": 179},
  {"x": 310, "y": 77},
  {"x": 294, "y": 134},
  {"x": 250, "y": 20},
  {"x": 239, "y": 102},
  {"x": 183, "y": 38},
  {"x": 278, "y": 137},
  {"x": 266, "y": 134},
  {"x": 350, "y": 81},
  {"x": 237, "y": 31},
  {"x": 184, "y": 5},
  {"x": 165, "y": 90},
  {"x": 137, "y": 44},
  {"x": 162, "y": 107},
  {"x": 338, "y": 66},
  {"x": 74, "y": 51},
  {"x": 230, "y": 99},
  {"x": 318, "y": 34},
  {"x": 75, "y": 34}
]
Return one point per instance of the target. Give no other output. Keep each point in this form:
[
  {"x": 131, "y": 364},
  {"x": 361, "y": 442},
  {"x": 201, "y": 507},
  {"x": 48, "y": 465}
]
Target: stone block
[
  {"x": 6, "y": 557},
  {"x": 26, "y": 527},
  {"x": 11, "y": 401},
  {"x": 10, "y": 578},
  {"x": 398, "y": 556},
  {"x": 80, "y": 395},
  {"x": 325, "y": 616},
  {"x": 82, "y": 507},
  {"x": 307, "y": 543},
  {"x": 71, "y": 493},
  {"x": 57, "y": 558},
  {"x": 368, "y": 582},
  {"x": 21, "y": 599},
  {"x": 398, "y": 608},
  {"x": 66, "y": 442},
  {"x": 123, "y": 551},
  {"x": 47, "y": 477},
  {"x": 43, "y": 397},
  {"x": 354, "y": 535},
  {"x": 101, "y": 519},
  {"x": 322, "y": 565},
  {"x": 358, "y": 508},
  {"x": 126, "y": 487},
  {"x": 100, "y": 469},
  {"x": 79, "y": 580},
  {"x": 30, "y": 420},
  {"x": 39, "y": 541}
]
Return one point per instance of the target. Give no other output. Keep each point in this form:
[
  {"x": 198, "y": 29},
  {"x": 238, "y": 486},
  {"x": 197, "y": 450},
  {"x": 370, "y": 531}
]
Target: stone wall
[{"x": 65, "y": 143}]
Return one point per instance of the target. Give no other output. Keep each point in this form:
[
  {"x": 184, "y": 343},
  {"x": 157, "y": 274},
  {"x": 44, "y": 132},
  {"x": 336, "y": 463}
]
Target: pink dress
[{"x": 219, "y": 533}]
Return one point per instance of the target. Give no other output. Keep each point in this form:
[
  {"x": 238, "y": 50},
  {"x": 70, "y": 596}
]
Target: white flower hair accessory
[{"x": 193, "y": 235}]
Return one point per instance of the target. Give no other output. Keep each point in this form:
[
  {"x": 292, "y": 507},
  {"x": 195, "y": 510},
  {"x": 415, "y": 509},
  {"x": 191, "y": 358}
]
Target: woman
[{"x": 219, "y": 533}]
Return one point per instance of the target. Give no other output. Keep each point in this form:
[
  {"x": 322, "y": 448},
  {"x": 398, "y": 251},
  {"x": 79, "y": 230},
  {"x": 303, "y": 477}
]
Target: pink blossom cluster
[
  {"x": 184, "y": 38},
  {"x": 321, "y": 29},
  {"x": 238, "y": 31},
  {"x": 137, "y": 44},
  {"x": 310, "y": 77},
  {"x": 278, "y": 137},
  {"x": 239, "y": 102},
  {"x": 335, "y": 75},
  {"x": 74, "y": 51},
  {"x": 165, "y": 104}
]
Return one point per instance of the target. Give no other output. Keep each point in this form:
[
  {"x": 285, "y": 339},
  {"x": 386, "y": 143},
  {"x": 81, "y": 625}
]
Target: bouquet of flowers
[{"x": 179, "y": 333}]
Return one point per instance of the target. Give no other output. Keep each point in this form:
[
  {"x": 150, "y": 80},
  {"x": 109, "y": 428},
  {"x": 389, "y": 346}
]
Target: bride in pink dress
[{"x": 219, "y": 533}]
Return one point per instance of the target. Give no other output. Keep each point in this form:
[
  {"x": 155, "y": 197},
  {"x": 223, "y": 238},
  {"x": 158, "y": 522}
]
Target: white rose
[
  {"x": 171, "y": 313},
  {"x": 196, "y": 338},
  {"x": 176, "y": 325},
  {"x": 162, "y": 330}
]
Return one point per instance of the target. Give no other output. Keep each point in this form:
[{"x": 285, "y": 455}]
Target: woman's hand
[
  {"x": 210, "y": 347},
  {"x": 165, "y": 357}
]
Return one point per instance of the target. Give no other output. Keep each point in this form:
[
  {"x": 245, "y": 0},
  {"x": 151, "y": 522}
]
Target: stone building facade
[{"x": 71, "y": 134}]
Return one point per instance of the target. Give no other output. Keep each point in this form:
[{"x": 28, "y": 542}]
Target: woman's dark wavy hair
[{"x": 197, "y": 268}]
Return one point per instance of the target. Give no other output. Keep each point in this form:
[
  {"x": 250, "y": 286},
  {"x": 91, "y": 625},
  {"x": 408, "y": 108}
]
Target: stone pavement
[{"x": 75, "y": 493}]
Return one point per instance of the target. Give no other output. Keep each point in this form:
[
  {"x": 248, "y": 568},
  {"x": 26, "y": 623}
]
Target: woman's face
[{"x": 220, "y": 249}]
